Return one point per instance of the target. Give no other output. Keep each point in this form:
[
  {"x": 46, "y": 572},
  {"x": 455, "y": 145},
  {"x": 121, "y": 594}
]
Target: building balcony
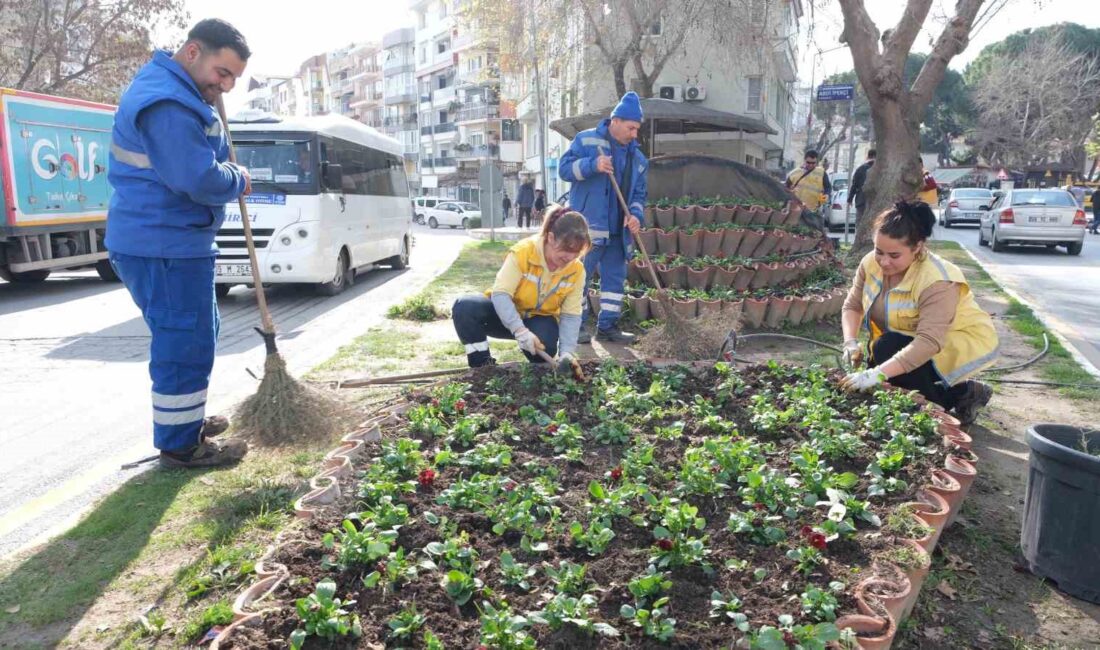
[
  {"x": 446, "y": 127},
  {"x": 443, "y": 95},
  {"x": 485, "y": 76},
  {"x": 477, "y": 112},
  {"x": 475, "y": 152},
  {"x": 527, "y": 109},
  {"x": 786, "y": 61},
  {"x": 398, "y": 65}
]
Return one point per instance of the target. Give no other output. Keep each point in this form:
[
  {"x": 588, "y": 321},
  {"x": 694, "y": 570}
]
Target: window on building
[
  {"x": 477, "y": 139},
  {"x": 655, "y": 27},
  {"x": 442, "y": 46},
  {"x": 442, "y": 117},
  {"x": 423, "y": 54},
  {"x": 756, "y": 87}
]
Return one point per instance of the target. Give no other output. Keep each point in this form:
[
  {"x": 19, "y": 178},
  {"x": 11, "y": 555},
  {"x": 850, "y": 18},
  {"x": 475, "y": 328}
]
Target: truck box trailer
[{"x": 53, "y": 166}]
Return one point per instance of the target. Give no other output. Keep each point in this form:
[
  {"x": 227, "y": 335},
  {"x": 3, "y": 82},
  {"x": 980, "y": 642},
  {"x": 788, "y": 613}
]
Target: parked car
[
  {"x": 1028, "y": 216},
  {"x": 964, "y": 205},
  {"x": 834, "y": 210},
  {"x": 421, "y": 205},
  {"x": 452, "y": 213}
]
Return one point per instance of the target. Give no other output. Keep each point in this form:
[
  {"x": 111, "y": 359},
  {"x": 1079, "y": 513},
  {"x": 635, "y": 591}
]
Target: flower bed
[{"x": 646, "y": 507}]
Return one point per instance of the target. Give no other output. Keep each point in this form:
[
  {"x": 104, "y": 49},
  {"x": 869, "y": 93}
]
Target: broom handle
[
  {"x": 637, "y": 240},
  {"x": 261, "y": 299}
]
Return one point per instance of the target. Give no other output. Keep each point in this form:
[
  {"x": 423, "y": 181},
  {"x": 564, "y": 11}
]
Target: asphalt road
[
  {"x": 1064, "y": 288},
  {"x": 74, "y": 386}
]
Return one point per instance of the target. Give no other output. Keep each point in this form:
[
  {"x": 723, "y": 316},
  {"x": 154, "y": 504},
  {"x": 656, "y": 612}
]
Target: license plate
[
  {"x": 233, "y": 269},
  {"x": 1042, "y": 219}
]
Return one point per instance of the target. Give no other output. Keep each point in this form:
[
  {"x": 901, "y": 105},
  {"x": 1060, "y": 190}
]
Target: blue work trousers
[
  {"x": 176, "y": 298},
  {"x": 609, "y": 259},
  {"x": 476, "y": 319}
]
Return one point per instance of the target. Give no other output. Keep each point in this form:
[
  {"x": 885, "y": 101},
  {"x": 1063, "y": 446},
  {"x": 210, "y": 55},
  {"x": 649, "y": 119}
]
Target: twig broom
[
  {"x": 282, "y": 410},
  {"x": 678, "y": 337}
]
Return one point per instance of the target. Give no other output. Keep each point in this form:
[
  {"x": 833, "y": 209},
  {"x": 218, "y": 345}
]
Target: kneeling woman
[
  {"x": 926, "y": 331},
  {"x": 537, "y": 297}
]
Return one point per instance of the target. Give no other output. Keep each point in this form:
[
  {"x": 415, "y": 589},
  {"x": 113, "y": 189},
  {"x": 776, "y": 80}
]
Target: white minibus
[{"x": 329, "y": 198}]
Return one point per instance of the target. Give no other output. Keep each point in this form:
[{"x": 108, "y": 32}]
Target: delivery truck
[{"x": 55, "y": 192}]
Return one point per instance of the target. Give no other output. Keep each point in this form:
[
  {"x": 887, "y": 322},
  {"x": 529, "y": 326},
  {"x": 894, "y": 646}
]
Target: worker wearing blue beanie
[{"x": 595, "y": 154}]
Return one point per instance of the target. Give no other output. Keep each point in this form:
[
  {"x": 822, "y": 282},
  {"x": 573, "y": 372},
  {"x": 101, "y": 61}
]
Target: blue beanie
[{"x": 629, "y": 108}]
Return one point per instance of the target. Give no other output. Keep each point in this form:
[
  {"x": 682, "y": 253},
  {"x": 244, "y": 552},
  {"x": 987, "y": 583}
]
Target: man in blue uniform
[
  {"x": 171, "y": 182},
  {"x": 610, "y": 148}
]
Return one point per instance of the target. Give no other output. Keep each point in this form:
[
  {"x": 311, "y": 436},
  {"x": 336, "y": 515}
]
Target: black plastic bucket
[{"x": 1061, "y": 531}]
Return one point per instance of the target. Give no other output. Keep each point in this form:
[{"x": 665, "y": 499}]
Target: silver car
[
  {"x": 1026, "y": 216},
  {"x": 964, "y": 205}
]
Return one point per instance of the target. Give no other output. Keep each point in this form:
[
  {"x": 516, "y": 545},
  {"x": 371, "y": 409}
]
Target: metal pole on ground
[{"x": 851, "y": 162}]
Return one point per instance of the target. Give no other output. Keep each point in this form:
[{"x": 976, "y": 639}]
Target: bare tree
[
  {"x": 896, "y": 106},
  {"x": 1037, "y": 106},
  {"x": 87, "y": 48}
]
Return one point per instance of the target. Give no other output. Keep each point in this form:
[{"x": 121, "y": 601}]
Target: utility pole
[{"x": 538, "y": 96}]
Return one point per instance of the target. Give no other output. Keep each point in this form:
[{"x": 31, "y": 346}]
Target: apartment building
[
  {"x": 355, "y": 83},
  {"x": 401, "y": 99}
]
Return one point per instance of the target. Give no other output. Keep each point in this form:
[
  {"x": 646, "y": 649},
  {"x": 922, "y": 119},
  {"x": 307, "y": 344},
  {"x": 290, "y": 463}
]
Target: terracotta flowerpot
[
  {"x": 648, "y": 214},
  {"x": 778, "y": 307},
  {"x": 778, "y": 217},
  {"x": 947, "y": 487},
  {"x": 690, "y": 244},
  {"x": 723, "y": 277},
  {"x": 767, "y": 244},
  {"x": 707, "y": 307},
  {"x": 743, "y": 215},
  {"x": 797, "y": 313},
  {"x": 700, "y": 279},
  {"x": 744, "y": 277},
  {"x": 705, "y": 215},
  {"x": 836, "y": 300},
  {"x": 640, "y": 304},
  {"x": 731, "y": 241},
  {"x": 754, "y": 310},
  {"x": 712, "y": 243},
  {"x": 765, "y": 275},
  {"x": 962, "y": 471},
  {"x": 750, "y": 239},
  {"x": 872, "y": 632},
  {"x": 791, "y": 272},
  {"x": 641, "y": 271},
  {"x": 647, "y": 237},
  {"x": 668, "y": 241},
  {"x": 954, "y": 437},
  {"x": 890, "y": 593},
  {"x": 672, "y": 277},
  {"x": 725, "y": 213},
  {"x": 685, "y": 308},
  {"x": 634, "y": 272},
  {"x": 783, "y": 242},
  {"x": 324, "y": 490},
  {"x": 934, "y": 510},
  {"x": 664, "y": 218},
  {"x": 761, "y": 215},
  {"x": 802, "y": 243},
  {"x": 684, "y": 215},
  {"x": 733, "y": 308},
  {"x": 816, "y": 310},
  {"x": 794, "y": 214},
  {"x": 946, "y": 418}
]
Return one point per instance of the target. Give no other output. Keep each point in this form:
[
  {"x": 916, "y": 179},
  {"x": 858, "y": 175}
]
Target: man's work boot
[
  {"x": 976, "y": 396},
  {"x": 207, "y": 454},
  {"x": 214, "y": 425},
  {"x": 614, "y": 335},
  {"x": 584, "y": 337}
]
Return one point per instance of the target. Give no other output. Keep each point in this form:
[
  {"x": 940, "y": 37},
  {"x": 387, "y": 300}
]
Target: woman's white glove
[
  {"x": 528, "y": 342},
  {"x": 863, "y": 381},
  {"x": 853, "y": 353}
]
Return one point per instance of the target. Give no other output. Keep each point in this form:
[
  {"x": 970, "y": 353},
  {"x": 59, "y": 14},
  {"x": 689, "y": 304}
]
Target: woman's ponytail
[
  {"x": 570, "y": 229},
  {"x": 911, "y": 221}
]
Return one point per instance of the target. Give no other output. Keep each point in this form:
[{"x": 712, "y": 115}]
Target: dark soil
[{"x": 500, "y": 395}]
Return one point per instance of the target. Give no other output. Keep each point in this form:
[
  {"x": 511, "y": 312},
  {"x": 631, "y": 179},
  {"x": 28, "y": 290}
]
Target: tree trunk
[
  {"x": 896, "y": 173},
  {"x": 618, "y": 70}
]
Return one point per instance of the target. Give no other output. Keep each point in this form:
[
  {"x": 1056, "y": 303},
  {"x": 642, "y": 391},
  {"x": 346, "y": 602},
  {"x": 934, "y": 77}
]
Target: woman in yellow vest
[
  {"x": 537, "y": 297},
  {"x": 926, "y": 331}
]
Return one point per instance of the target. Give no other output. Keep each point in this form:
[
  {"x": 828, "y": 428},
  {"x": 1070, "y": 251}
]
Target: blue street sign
[{"x": 835, "y": 93}]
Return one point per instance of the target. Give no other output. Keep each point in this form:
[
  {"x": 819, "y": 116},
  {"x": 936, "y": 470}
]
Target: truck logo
[{"x": 47, "y": 164}]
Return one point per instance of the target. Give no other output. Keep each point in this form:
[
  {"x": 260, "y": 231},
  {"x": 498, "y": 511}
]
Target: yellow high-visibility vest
[
  {"x": 541, "y": 292},
  {"x": 971, "y": 344},
  {"x": 810, "y": 189}
]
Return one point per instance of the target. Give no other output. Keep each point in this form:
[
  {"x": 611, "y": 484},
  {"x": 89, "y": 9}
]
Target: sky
[{"x": 283, "y": 33}]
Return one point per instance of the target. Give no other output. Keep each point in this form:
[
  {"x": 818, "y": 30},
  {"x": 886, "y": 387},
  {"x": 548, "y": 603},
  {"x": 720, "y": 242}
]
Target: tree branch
[
  {"x": 952, "y": 41},
  {"x": 897, "y": 42}
]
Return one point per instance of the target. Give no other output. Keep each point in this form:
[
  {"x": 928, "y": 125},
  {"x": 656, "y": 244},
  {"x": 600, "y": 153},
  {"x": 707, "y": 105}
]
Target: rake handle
[
  {"x": 261, "y": 298},
  {"x": 637, "y": 240}
]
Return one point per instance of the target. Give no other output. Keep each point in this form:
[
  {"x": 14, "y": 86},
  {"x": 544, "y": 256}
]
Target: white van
[
  {"x": 421, "y": 206},
  {"x": 329, "y": 198}
]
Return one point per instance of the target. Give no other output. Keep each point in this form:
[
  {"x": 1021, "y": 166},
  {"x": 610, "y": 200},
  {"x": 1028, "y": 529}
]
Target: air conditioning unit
[
  {"x": 672, "y": 92},
  {"x": 695, "y": 93}
]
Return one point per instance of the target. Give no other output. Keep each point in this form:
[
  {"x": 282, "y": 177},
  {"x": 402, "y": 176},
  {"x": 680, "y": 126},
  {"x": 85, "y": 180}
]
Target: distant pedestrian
[
  {"x": 507, "y": 205},
  {"x": 540, "y": 204},
  {"x": 859, "y": 178},
  {"x": 929, "y": 190},
  {"x": 810, "y": 182},
  {"x": 1095, "y": 211},
  {"x": 525, "y": 201}
]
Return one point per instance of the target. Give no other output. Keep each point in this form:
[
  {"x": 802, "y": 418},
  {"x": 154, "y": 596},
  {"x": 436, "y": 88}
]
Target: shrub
[{"x": 418, "y": 308}]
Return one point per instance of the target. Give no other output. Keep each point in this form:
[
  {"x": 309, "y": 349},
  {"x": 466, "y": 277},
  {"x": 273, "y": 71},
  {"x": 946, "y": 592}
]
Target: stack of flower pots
[{"x": 753, "y": 260}]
